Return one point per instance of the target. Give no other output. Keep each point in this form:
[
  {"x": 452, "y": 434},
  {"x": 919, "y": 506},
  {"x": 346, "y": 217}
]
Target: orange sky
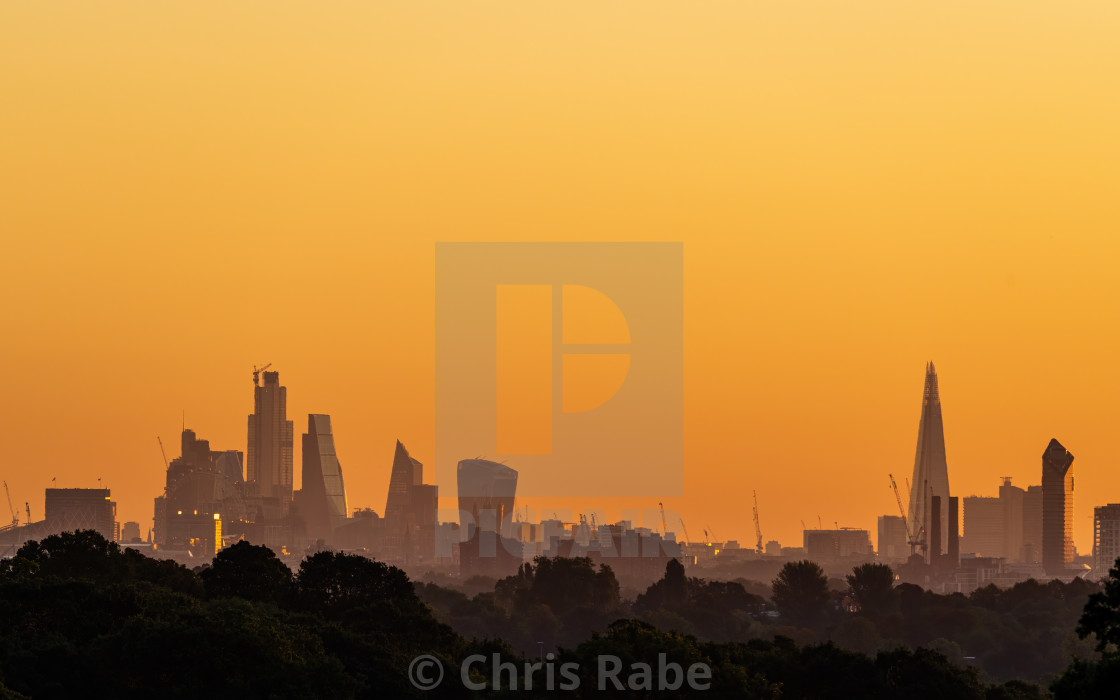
[{"x": 186, "y": 191}]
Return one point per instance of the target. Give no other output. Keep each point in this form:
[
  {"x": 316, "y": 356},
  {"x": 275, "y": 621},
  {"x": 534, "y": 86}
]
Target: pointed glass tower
[{"x": 931, "y": 473}]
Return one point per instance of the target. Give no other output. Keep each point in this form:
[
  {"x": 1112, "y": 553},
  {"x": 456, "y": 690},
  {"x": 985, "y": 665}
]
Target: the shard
[{"x": 931, "y": 473}]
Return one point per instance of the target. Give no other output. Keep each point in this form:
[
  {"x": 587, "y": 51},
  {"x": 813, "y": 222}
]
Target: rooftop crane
[
  {"x": 757, "y": 528},
  {"x": 257, "y": 373},
  {"x": 15, "y": 518},
  {"x": 28, "y": 507},
  {"x": 166, "y": 464},
  {"x": 664, "y": 527}
]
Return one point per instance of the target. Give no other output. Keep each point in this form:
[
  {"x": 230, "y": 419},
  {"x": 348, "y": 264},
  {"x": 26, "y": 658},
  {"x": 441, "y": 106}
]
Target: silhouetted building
[
  {"x": 931, "y": 472},
  {"x": 81, "y": 509},
  {"x": 486, "y": 496},
  {"x": 1032, "y": 525},
  {"x": 824, "y": 545},
  {"x": 984, "y": 526},
  {"x": 1057, "y": 509},
  {"x": 1011, "y": 498},
  {"x": 322, "y": 499},
  {"x": 892, "y": 538},
  {"x": 410, "y": 512},
  {"x": 270, "y": 442},
  {"x": 130, "y": 532},
  {"x": 1106, "y": 538},
  {"x": 203, "y": 488},
  {"x": 953, "y": 546}
]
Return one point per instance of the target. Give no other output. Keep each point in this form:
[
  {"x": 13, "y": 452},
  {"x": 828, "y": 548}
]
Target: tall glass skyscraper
[
  {"x": 323, "y": 496},
  {"x": 270, "y": 442},
  {"x": 1057, "y": 508},
  {"x": 931, "y": 473}
]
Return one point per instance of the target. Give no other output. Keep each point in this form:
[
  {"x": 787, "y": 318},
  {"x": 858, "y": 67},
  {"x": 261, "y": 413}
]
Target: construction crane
[
  {"x": 166, "y": 464},
  {"x": 911, "y": 538},
  {"x": 257, "y": 373},
  {"x": 684, "y": 527},
  {"x": 15, "y": 518},
  {"x": 664, "y": 527},
  {"x": 28, "y": 507},
  {"x": 757, "y": 528},
  {"x": 712, "y": 534}
]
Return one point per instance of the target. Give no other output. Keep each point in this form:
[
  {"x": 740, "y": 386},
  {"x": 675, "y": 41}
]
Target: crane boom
[
  {"x": 166, "y": 464},
  {"x": 910, "y": 538},
  {"x": 257, "y": 373},
  {"x": 757, "y": 528},
  {"x": 15, "y": 518}
]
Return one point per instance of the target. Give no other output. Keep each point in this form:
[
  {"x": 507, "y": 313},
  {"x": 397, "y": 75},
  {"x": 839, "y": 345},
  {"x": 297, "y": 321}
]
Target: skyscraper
[
  {"x": 322, "y": 499},
  {"x": 1057, "y": 508},
  {"x": 931, "y": 473},
  {"x": 270, "y": 441},
  {"x": 410, "y": 511},
  {"x": 486, "y": 494},
  {"x": 1106, "y": 538},
  {"x": 407, "y": 472}
]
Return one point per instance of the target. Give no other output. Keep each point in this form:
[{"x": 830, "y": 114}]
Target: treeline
[{"x": 80, "y": 617}]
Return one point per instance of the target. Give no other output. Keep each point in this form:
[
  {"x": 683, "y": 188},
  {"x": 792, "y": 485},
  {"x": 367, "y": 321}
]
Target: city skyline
[{"x": 930, "y": 416}]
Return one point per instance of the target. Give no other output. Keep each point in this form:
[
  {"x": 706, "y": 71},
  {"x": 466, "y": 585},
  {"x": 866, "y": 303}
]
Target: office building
[
  {"x": 931, "y": 472},
  {"x": 1032, "y": 525},
  {"x": 1057, "y": 509},
  {"x": 486, "y": 495},
  {"x": 984, "y": 526},
  {"x": 825, "y": 545},
  {"x": 322, "y": 498},
  {"x": 270, "y": 442},
  {"x": 68, "y": 510},
  {"x": 410, "y": 512},
  {"x": 130, "y": 532},
  {"x": 202, "y": 488},
  {"x": 1106, "y": 538},
  {"x": 893, "y": 545}
]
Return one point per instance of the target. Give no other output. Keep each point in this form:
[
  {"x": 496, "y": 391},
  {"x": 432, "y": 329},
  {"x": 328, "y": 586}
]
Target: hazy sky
[{"x": 187, "y": 189}]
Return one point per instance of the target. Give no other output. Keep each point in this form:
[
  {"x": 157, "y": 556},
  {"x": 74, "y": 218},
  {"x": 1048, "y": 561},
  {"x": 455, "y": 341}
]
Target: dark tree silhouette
[
  {"x": 248, "y": 571},
  {"x": 872, "y": 588},
  {"x": 1101, "y": 616},
  {"x": 801, "y": 593}
]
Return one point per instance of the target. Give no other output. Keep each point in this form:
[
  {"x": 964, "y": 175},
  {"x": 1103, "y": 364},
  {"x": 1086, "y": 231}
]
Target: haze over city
[{"x": 891, "y": 209}]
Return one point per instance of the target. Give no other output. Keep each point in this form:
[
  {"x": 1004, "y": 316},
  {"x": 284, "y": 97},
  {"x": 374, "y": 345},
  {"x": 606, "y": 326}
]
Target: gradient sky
[{"x": 187, "y": 189}]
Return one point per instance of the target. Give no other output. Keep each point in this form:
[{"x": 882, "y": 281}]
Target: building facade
[
  {"x": 1106, "y": 538},
  {"x": 270, "y": 442},
  {"x": 931, "y": 472},
  {"x": 1057, "y": 509},
  {"x": 322, "y": 498}
]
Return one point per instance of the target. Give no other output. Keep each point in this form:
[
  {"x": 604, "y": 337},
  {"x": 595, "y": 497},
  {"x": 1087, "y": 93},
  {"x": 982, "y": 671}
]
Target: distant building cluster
[{"x": 212, "y": 498}]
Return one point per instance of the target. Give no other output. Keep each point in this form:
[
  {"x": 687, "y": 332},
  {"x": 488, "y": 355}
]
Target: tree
[
  {"x": 1101, "y": 616},
  {"x": 872, "y": 588},
  {"x": 334, "y": 582},
  {"x": 801, "y": 593},
  {"x": 248, "y": 571}
]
